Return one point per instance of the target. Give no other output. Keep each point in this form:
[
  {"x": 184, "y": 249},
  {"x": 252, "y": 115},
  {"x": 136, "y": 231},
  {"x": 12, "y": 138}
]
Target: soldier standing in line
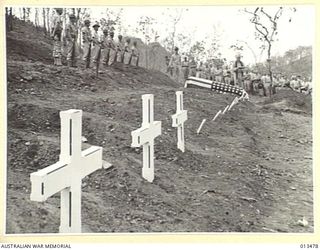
[
  {"x": 185, "y": 68},
  {"x": 169, "y": 69},
  {"x": 135, "y": 54},
  {"x": 86, "y": 43},
  {"x": 105, "y": 49},
  {"x": 71, "y": 38},
  {"x": 210, "y": 72},
  {"x": 238, "y": 68},
  {"x": 198, "y": 70},
  {"x": 175, "y": 63},
  {"x": 192, "y": 66},
  {"x": 218, "y": 74},
  {"x": 119, "y": 47},
  {"x": 247, "y": 81},
  {"x": 202, "y": 68},
  {"x": 126, "y": 52},
  {"x": 207, "y": 71},
  {"x": 56, "y": 35},
  {"x": 96, "y": 50},
  {"x": 112, "y": 49},
  {"x": 226, "y": 75}
]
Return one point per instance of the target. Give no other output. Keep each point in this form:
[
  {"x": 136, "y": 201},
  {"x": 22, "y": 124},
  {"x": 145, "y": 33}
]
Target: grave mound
[{"x": 289, "y": 100}]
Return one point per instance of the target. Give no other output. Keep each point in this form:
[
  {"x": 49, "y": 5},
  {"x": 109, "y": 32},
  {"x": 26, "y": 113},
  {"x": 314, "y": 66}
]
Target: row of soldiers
[
  {"x": 237, "y": 74},
  {"x": 95, "y": 47},
  {"x": 219, "y": 73}
]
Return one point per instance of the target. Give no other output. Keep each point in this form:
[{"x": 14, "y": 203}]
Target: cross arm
[
  {"x": 91, "y": 160},
  {"x": 145, "y": 134},
  {"x": 179, "y": 117},
  {"x": 48, "y": 181}
]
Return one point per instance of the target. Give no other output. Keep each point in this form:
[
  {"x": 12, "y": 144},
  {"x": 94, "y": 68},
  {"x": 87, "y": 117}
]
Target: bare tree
[
  {"x": 197, "y": 50},
  {"x": 213, "y": 43},
  {"x": 82, "y": 14},
  {"x": 174, "y": 18},
  {"x": 239, "y": 47},
  {"x": 44, "y": 19},
  {"x": 9, "y": 17},
  {"x": 266, "y": 27},
  {"x": 145, "y": 27},
  {"x": 28, "y": 11},
  {"x": 112, "y": 19},
  {"x": 20, "y": 13},
  {"x": 24, "y": 14},
  {"x": 48, "y": 19},
  {"x": 184, "y": 41},
  {"x": 36, "y": 17}
]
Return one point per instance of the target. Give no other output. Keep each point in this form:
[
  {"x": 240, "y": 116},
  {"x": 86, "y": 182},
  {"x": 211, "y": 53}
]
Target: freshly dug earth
[{"x": 248, "y": 171}]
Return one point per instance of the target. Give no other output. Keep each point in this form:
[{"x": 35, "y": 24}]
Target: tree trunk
[
  {"x": 147, "y": 57},
  {"x": 36, "y": 17},
  {"x": 79, "y": 27},
  {"x": 10, "y": 20},
  {"x": 48, "y": 20},
  {"x": 44, "y": 20},
  {"x": 7, "y": 19},
  {"x": 20, "y": 13},
  {"x": 64, "y": 22},
  {"x": 270, "y": 71},
  {"x": 24, "y": 14},
  {"x": 28, "y": 14}
]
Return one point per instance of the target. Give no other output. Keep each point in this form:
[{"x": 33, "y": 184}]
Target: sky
[{"x": 230, "y": 23}]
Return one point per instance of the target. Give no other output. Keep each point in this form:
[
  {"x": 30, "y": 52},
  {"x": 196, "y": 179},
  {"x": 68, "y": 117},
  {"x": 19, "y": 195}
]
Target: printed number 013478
[{"x": 309, "y": 246}]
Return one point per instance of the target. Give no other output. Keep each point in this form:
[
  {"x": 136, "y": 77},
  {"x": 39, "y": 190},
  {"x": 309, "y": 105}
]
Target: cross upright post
[
  {"x": 65, "y": 176},
  {"x": 234, "y": 102},
  {"x": 225, "y": 109},
  {"x": 145, "y": 136},
  {"x": 178, "y": 120}
]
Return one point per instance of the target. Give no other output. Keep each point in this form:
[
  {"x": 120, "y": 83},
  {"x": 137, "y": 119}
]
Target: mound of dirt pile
[
  {"x": 27, "y": 43},
  {"x": 289, "y": 100}
]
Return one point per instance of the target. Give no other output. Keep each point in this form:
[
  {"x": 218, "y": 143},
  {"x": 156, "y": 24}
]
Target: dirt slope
[{"x": 250, "y": 170}]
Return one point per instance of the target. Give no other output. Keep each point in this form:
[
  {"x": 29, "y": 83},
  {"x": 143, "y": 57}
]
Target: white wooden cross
[
  {"x": 178, "y": 120},
  {"x": 145, "y": 136},
  {"x": 65, "y": 176}
]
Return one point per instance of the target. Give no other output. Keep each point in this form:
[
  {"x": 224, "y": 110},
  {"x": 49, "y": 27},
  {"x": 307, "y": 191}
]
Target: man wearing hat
[
  {"x": 120, "y": 48},
  {"x": 226, "y": 75},
  {"x": 175, "y": 63},
  {"x": 169, "y": 69},
  {"x": 238, "y": 68},
  {"x": 56, "y": 35},
  {"x": 192, "y": 66},
  {"x": 134, "y": 60},
  {"x": 185, "y": 68},
  {"x": 219, "y": 73},
  {"x": 126, "y": 52},
  {"x": 71, "y": 38},
  {"x": 112, "y": 47},
  {"x": 105, "y": 48},
  {"x": 96, "y": 50},
  {"x": 86, "y": 43}
]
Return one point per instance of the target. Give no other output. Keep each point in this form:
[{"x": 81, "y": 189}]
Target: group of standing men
[
  {"x": 95, "y": 47},
  {"x": 178, "y": 68}
]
